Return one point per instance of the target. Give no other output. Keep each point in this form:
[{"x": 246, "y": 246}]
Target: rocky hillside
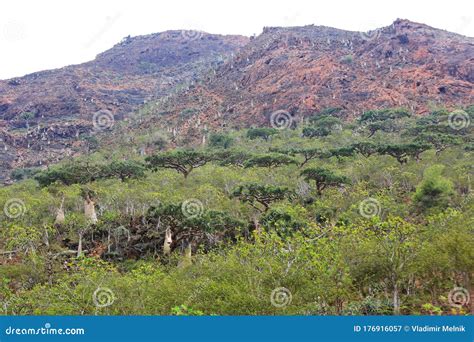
[
  {"x": 297, "y": 71},
  {"x": 42, "y": 115},
  {"x": 194, "y": 82}
]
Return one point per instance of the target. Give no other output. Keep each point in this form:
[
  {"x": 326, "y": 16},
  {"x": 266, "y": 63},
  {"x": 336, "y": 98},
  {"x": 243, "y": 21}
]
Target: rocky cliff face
[
  {"x": 302, "y": 70},
  {"x": 44, "y": 115}
]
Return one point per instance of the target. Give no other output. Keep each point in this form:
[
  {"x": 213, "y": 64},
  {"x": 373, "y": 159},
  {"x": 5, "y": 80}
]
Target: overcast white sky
[{"x": 46, "y": 34}]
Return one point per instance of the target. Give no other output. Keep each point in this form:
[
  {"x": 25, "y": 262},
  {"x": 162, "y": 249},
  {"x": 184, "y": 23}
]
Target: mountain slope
[
  {"x": 47, "y": 111},
  {"x": 302, "y": 70}
]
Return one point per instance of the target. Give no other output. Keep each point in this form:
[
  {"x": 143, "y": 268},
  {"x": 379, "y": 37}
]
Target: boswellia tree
[
  {"x": 385, "y": 120},
  {"x": 439, "y": 141},
  {"x": 309, "y": 154},
  {"x": 263, "y": 195},
  {"x": 183, "y": 161},
  {"x": 231, "y": 157},
  {"x": 402, "y": 152},
  {"x": 323, "y": 178},
  {"x": 86, "y": 172},
  {"x": 365, "y": 148},
  {"x": 321, "y": 126},
  {"x": 123, "y": 170},
  {"x": 269, "y": 160},
  {"x": 70, "y": 173}
]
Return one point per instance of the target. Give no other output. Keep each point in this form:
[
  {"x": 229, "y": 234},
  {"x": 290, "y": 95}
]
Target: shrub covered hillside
[{"x": 368, "y": 217}]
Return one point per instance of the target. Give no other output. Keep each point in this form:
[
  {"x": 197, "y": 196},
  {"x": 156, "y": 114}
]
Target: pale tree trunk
[
  {"x": 168, "y": 242},
  {"x": 89, "y": 211},
  {"x": 79, "y": 245},
  {"x": 187, "y": 257},
  {"x": 46, "y": 237},
  {"x": 396, "y": 299},
  {"x": 60, "y": 217}
]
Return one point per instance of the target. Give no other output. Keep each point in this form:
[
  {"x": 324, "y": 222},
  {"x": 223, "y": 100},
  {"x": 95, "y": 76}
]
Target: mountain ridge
[{"x": 426, "y": 68}]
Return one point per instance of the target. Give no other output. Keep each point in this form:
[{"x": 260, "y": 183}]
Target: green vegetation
[
  {"x": 263, "y": 133},
  {"x": 367, "y": 217},
  {"x": 347, "y": 59},
  {"x": 323, "y": 178},
  {"x": 434, "y": 190},
  {"x": 182, "y": 161},
  {"x": 321, "y": 126},
  {"x": 220, "y": 140}
]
